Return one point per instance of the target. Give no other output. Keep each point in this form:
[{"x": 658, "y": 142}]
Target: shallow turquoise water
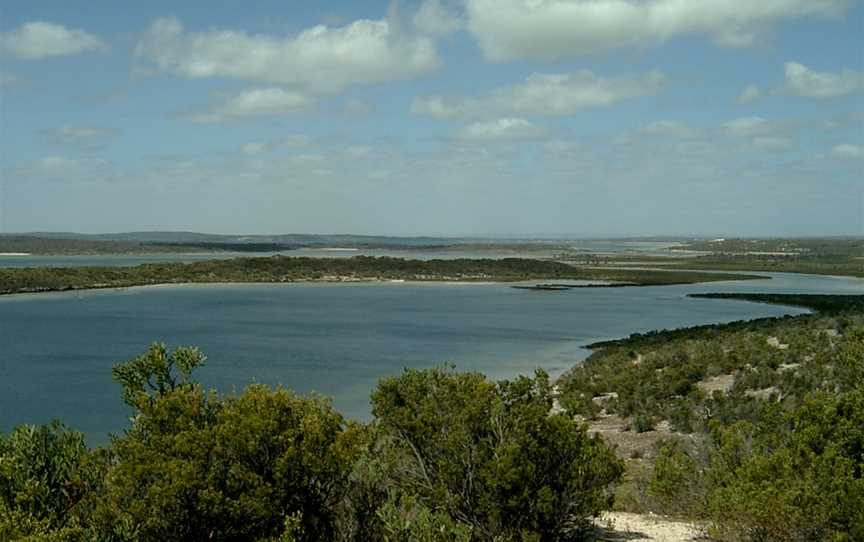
[{"x": 335, "y": 339}]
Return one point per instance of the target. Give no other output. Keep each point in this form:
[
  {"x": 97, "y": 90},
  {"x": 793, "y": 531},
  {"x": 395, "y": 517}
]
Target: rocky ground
[{"x": 624, "y": 526}]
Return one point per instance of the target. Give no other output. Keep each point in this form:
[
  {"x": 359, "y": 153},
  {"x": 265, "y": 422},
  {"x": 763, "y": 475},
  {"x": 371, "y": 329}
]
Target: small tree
[
  {"x": 45, "y": 474},
  {"x": 156, "y": 373},
  {"x": 194, "y": 466},
  {"x": 491, "y": 456}
]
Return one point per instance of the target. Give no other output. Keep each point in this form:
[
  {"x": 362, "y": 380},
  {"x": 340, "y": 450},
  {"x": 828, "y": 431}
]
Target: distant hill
[{"x": 294, "y": 239}]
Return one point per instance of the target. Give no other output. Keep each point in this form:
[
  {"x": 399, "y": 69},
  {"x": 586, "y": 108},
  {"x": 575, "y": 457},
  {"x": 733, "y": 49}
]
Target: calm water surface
[{"x": 334, "y": 339}]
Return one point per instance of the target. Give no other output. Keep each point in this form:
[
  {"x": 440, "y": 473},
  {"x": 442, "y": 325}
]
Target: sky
[{"x": 434, "y": 117}]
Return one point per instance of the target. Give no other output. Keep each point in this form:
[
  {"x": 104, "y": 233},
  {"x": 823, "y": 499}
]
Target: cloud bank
[
  {"x": 319, "y": 59},
  {"x": 544, "y": 95},
  {"x": 553, "y": 30},
  {"x": 38, "y": 40}
]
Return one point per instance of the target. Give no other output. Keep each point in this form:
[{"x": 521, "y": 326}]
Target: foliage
[
  {"x": 676, "y": 482},
  {"x": 291, "y": 269},
  {"x": 45, "y": 473},
  {"x": 668, "y": 375},
  {"x": 194, "y": 467},
  {"x": 490, "y": 455},
  {"x": 774, "y": 409},
  {"x": 406, "y": 520},
  {"x": 156, "y": 373},
  {"x": 826, "y": 304},
  {"x": 801, "y": 479},
  {"x": 451, "y": 457}
]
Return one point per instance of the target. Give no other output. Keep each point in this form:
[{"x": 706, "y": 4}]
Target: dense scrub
[
  {"x": 766, "y": 420},
  {"x": 692, "y": 376},
  {"x": 837, "y": 256},
  {"x": 450, "y": 457},
  {"x": 54, "y": 245},
  {"x": 289, "y": 269}
]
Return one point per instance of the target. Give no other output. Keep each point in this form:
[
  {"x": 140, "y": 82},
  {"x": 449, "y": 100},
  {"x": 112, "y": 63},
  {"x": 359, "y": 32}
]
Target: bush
[
  {"x": 44, "y": 476},
  {"x": 195, "y": 467},
  {"x": 801, "y": 481},
  {"x": 490, "y": 455},
  {"x": 451, "y": 457},
  {"x": 676, "y": 483}
]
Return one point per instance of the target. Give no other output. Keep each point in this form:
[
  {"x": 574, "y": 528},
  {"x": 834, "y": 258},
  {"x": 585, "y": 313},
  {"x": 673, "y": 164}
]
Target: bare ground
[{"x": 624, "y": 526}]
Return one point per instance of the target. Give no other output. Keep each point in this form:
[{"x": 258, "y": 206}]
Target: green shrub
[
  {"x": 196, "y": 467},
  {"x": 490, "y": 455},
  {"x": 677, "y": 484},
  {"x": 45, "y": 474},
  {"x": 801, "y": 479}
]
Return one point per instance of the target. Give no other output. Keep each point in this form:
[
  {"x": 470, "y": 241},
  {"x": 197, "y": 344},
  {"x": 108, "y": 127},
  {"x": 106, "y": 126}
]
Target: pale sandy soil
[
  {"x": 722, "y": 383},
  {"x": 624, "y": 526}
]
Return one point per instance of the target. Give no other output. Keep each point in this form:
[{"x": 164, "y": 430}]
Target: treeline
[
  {"x": 816, "y": 265},
  {"x": 838, "y": 256},
  {"x": 762, "y": 422},
  {"x": 226, "y": 247},
  {"x": 826, "y": 304},
  {"x": 66, "y": 246},
  {"x": 448, "y": 457},
  {"x": 61, "y": 246},
  {"x": 838, "y": 247},
  {"x": 291, "y": 269},
  {"x": 823, "y": 303}
]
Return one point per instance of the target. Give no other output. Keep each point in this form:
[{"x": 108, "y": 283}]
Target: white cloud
[
  {"x": 551, "y": 30},
  {"x": 802, "y": 81},
  {"x": 296, "y": 141},
  {"x": 36, "y": 40},
  {"x": 254, "y": 148},
  {"x": 85, "y": 137},
  {"x": 9, "y": 80},
  {"x": 319, "y": 59},
  {"x": 501, "y": 129},
  {"x": 357, "y": 108},
  {"x": 84, "y": 132},
  {"x": 253, "y": 103},
  {"x": 433, "y": 19},
  {"x": 545, "y": 94},
  {"x": 772, "y": 143},
  {"x": 63, "y": 169},
  {"x": 438, "y": 107},
  {"x": 669, "y": 128},
  {"x": 842, "y": 121},
  {"x": 359, "y": 151},
  {"x": 749, "y": 127},
  {"x": 847, "y": 151},
  {"x": 762, "y": 134},
  {"x": 749, "y": 95}
]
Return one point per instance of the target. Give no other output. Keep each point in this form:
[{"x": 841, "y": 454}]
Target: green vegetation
[
  {"x": 853, "y": 267},
  {"x": 838, "y": 256},
  {"x": 754, "y": 428},
  {"x": 825, "y": 248},
  {"x": 825, "y": 304},
  {"x": 359, "y": 268},
  {"x": 57, "y": 246},
  {"x": 62, "y": 246},
  {"x": 449, "y": 457}
]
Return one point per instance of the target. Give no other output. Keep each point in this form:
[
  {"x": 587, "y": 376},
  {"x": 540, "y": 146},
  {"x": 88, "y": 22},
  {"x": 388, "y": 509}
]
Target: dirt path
[{"x": 623, "y": 526}]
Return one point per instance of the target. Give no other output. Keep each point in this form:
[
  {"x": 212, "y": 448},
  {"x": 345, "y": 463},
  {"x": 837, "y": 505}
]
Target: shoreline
[{"x": 341, "y": 280}]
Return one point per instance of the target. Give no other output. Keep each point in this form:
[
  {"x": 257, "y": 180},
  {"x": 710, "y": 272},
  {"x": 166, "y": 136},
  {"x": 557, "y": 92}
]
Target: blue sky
[{"x": 440, "y": 117}]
